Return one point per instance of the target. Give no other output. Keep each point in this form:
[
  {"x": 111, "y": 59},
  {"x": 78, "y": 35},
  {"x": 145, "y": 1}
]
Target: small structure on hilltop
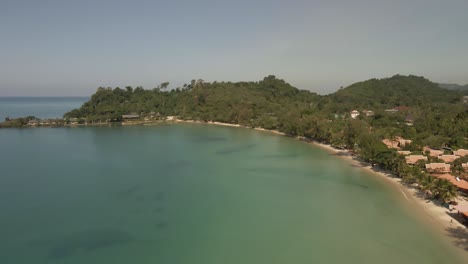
[
  {"x": 354, "y": 114},
  {"x": 448, "y": 158},
  {"x": 391, "y": 111},
  {"x": 438, "y": 168},
  {"x": 409, "y": 120},
  {"x": 413, "y": 159}
]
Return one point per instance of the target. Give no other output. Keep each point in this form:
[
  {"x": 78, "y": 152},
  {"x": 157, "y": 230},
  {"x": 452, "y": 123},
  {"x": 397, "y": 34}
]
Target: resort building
[
  {"x": 33, "y": 122},
  {"x": 433, "y": 152},
  {"x": 130, "y": 117},
  {"x": 368, "y": 112},
  {"x": 397, "y": 143},
  {"x": 413, "y": 159},
  {"x": 354, "y": 114},
  {"x": 448, "y": 158},
  {"x": 409, "y": 120},
  {"x": 391, "y": 143},
  {"x": 461, "y": 152},
  {"x": 438, "y": 168},
  {"x": 403, "y": 142},
  {"x": 461, "y": 184},
  {"x": 391, "y": 111},
  {"x": 465, "y": 166}
]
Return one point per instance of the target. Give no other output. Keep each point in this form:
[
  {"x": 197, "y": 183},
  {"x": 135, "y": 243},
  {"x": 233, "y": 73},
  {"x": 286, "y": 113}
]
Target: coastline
[
  {"x": 435, "y": 216},
  {"x": 428, "y": 212}
]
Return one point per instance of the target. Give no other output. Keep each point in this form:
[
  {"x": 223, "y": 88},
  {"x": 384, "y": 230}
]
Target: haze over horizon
[{"x": 69, "y": 48}]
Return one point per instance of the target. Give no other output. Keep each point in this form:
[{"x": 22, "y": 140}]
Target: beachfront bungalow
[
  {"x": 404, "y": 152},
  {"x": 433, "y": 152},
  {"x": 448, "y": 158},
  {"x": 461, "y": 184},
  {"x": 354, "y": 114},
  {"x": 44, "y": 122},
  {"x": 130, "y": 117},
  {"x": 438, "y": 168},
  {"x": 461, "y": 152},
  {"x": 413, "y": 159}
]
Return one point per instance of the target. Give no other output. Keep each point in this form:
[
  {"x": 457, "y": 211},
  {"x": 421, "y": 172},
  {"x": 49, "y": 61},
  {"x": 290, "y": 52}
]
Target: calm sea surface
[
  {"x": 41, "y": 107},
  {"x": 180, "y": 194}
]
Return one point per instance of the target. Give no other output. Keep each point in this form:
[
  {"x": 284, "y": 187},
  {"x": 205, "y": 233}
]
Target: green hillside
[{"x": 378, "y": 94}]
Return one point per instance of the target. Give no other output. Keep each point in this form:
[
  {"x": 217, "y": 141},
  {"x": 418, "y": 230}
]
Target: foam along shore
[{"x": 428, "y": 211}]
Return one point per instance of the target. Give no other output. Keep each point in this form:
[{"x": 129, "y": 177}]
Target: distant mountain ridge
[{"x": 454, "y": 86}]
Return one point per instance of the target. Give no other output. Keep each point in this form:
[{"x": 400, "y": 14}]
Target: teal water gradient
[
  {"x": 195, "y": 194},
  {"x": 40, "y": 107}
]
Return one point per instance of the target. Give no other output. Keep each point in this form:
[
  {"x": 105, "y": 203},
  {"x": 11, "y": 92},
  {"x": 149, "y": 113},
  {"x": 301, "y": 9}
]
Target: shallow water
[{"x": 196, "y": 194}]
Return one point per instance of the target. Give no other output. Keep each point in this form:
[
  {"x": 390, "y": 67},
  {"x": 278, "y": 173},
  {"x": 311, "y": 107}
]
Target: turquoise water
[
  {"x": 196, "y": 194},
  {"x": 41, "y": 107}
]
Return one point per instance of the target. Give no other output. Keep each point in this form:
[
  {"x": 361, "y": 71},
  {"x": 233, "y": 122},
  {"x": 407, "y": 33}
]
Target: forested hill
[
  {"x": 378, "y": 94},
  {"x": 241, "y": 102}
]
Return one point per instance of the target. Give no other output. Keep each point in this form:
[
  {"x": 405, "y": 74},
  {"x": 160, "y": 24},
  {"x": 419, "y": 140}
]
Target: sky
[{"x": 69, "y": 48}]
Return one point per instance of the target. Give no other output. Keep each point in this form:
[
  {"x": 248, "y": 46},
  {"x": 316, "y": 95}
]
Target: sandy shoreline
[{"x": 437, "y": 216}]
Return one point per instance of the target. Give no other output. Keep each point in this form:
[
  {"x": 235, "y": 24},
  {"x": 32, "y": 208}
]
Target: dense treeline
[{"x": 438, "y": 116}]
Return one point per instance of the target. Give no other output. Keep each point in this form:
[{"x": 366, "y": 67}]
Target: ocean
[
  {"x": 198, "y": 194},
  {"x": 40, "y": 107}
]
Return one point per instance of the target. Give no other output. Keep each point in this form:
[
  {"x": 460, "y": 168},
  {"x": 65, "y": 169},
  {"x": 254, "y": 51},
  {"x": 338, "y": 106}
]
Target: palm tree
[
  {"x": 428, "y": 183},
  {"x": 446, "y": 191}
]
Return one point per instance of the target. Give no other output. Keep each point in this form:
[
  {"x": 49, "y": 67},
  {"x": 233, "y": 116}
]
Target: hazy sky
[{"x": 59, "y": 48}]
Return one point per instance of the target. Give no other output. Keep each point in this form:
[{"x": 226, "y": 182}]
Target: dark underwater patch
[
  {"x": 206, "y": 139},
  {"x": 126, "y": 192},
  {"x": 235, "y": 149},
  {"x": 280, "y": 156},
  {"x": 88, "y": 240}
]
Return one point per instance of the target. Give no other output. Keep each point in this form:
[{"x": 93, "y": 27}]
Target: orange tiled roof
[
  {"x": 438, "y": 167},
  {"x": 448, "y": 158},
  {"x": 433, "y": 152},
  {"x": 461, "y": 152},
  {"x": 413, "y": 159},
  {"x": 462, "y": 184}
]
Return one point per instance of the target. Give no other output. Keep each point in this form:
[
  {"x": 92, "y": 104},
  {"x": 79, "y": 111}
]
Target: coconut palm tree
[
  {"x": 428, "y": 183},
  {"x": 445, "y": 190}
]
